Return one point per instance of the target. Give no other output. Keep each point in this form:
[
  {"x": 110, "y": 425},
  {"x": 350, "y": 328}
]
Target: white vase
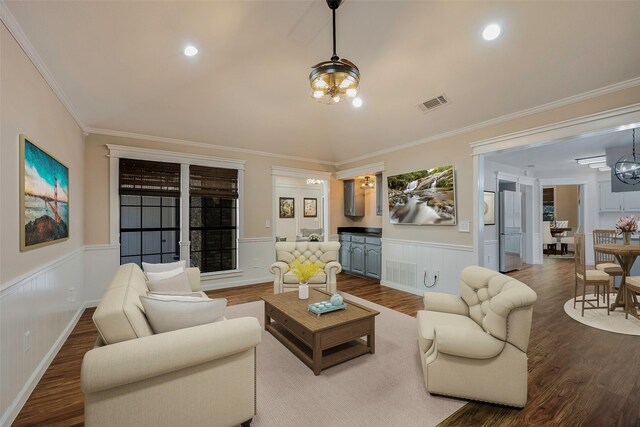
[{"x": 303, "y": 291}]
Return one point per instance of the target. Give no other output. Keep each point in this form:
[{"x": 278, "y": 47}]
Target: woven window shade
[
  {"x": 213, "y": 182},
  {"x": 144, "y": 178}
]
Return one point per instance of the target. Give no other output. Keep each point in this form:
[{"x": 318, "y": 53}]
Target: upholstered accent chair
[
  {"x": 475, "y": 345},
  {"x": 606, "y": 262},
  {"x": 598, "y": 279},
  {"x": 287, "y": 252}
]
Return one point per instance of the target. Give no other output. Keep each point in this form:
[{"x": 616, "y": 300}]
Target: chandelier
[
  {"x": 627, "y": 168},
  {"x": 337, "y": 79},
  {"x": 367, "y": 183}
]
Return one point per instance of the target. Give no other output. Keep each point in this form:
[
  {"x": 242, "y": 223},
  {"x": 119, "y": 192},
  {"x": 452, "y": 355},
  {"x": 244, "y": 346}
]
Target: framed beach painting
[
  {"x": 489, "y": 208},
  {"x": 425, "y": 197},
  {"x": 310, "y": 208},
  {"x": 44, "y": 197},
  {"x": 287, "y": 207}
]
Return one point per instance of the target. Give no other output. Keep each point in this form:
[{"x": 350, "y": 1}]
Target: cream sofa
[
  {"x": 287, "y": 252},
  {"x": 475, "y": 346},
  {"x": 199, "y": 376}
]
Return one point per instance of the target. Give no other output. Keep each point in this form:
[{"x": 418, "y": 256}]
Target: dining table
[{"x": 625, "y": 255}]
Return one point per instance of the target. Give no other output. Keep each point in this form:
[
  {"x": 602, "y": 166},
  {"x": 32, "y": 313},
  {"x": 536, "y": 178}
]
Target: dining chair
[
  {"x": 606, "y": 262},
  {"x": 596, "y": 278},
  {"x": 562, "y": 237},
  {"x": 549, "y": 241}
]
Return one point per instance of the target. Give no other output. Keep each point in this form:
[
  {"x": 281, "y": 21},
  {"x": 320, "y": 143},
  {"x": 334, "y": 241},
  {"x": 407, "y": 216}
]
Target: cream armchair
[
  {"x": 475, "y": 346},
  {"x": 287, "y": 252}
]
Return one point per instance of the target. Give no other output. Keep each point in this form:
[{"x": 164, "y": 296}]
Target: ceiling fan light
[
  {"x": 320, "y": 83},
  {"x": 337, "y": 78},
  {"x": 348, "y": 81}
]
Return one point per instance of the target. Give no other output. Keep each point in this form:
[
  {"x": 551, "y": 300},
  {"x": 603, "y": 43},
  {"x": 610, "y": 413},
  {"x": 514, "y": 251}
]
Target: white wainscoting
[
  {"x": 409, "y": 260},
  {"x": 47, "y": 303},
  {"x": 491, "y": 254},
  {"x": 255, "y": 255},
  {"x": 101, "y": 263}
]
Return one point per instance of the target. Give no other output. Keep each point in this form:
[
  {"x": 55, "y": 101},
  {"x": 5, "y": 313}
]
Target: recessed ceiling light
[
  {"x": 357, "y": 102},
  {"x": 190, "y": 51},
  {"x": 598, "y": 165},
  {"x": 591, "y": 160},
  {"x": 491, "y": 32}
]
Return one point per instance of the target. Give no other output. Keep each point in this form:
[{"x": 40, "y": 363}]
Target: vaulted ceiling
[{"x": 120, "y": 66}]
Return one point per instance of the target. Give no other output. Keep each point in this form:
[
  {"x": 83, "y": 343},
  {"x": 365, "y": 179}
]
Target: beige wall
[
  {"x": 566, "y": 204},
  {"x": 257, "y": 183},
  {"x": 455, "y": 150},
  {"x": 29, "y": 106}
]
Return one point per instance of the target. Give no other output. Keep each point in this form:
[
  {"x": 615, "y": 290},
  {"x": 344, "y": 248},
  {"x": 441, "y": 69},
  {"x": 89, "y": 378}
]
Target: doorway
[{"x": 562, "y": 217}]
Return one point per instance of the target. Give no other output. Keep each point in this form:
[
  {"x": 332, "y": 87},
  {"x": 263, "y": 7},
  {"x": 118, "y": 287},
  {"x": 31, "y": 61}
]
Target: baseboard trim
[
  {"x": 15, "y": 408},
  {"x": 92, "y": 303},
  {"x": 401, "y": 288},
  {"x": 237, "y": 283}
]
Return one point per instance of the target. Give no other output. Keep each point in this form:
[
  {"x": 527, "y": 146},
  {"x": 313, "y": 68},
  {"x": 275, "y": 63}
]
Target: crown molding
[
  {"x": 300, "y": 173},
  {"x": 118, "y": 151},
  {"x": 530, "y": 111},
  {"x": 187, "y": 143},
  {"x": 360, "y": 170},
  {"x": 21, "y": 38},
  {"x": 592, "y": 124}
]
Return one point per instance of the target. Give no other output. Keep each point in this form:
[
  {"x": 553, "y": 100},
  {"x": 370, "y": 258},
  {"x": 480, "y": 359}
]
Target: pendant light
[
  {"x": 627, "y": 168},
  {"x": 337, "y": 79}
]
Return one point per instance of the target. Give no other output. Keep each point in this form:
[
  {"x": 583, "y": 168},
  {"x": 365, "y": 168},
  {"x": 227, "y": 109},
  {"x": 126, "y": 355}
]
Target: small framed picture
[
  {"x": 489, "y": 208},
  {"x": 287, "y": 207},
  {"x": 310, "y": 208}
]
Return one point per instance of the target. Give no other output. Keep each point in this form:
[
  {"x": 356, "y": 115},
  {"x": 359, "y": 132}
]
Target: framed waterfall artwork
[
  {"x": 44, "y": 197},
  {"x": 489, "y": 208},
  {"x": 425, "y": 197}
]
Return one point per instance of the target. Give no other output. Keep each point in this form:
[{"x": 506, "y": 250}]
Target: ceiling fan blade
[
  {"x": 322, "y": 63},
  {"x": 349, "y": 63}
]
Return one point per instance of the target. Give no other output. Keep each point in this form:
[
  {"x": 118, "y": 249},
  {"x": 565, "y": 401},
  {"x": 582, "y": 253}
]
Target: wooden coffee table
[{"x": 319, "y": 341}]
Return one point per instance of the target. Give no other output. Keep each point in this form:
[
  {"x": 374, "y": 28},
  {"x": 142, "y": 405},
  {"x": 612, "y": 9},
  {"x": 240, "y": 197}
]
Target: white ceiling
[
  {"x": 560, "y": 156},
  {"x": 121, "y": 67}
]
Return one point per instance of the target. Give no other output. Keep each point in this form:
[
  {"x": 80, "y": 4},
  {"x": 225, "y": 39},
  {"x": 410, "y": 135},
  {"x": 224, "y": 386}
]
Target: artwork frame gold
[
  {"x": 489, "y": 208},
  {"x": 287, "y": 207},
  {"x": 310, "y": 205},
  {"x": 40, "y": 199}
]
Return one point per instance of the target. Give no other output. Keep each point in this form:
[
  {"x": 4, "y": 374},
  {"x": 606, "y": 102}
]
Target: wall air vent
[{"x": 433, "y": 103}]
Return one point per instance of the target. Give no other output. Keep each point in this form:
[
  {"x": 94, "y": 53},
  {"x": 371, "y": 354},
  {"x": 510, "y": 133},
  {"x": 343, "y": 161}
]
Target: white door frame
[
  {"x": 325, "y": 177},
  {"x": 593, "y": 124}
]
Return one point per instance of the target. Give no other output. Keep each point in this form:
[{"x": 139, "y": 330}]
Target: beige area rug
[
  {"x": 383, "y": 389},
  {"x": 614, "y": 322}
]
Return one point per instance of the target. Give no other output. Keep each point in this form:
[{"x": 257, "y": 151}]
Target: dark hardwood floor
[{"x": 577, "y": 375}]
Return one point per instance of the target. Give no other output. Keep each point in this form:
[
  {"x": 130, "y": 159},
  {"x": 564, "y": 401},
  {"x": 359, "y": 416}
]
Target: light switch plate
[
  {"x": 267, "y": 224},
  {"x": 463, "y": 227}
]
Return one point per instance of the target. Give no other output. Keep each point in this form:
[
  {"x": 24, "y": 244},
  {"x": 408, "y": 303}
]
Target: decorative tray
[{"x": 325, "y": 307}]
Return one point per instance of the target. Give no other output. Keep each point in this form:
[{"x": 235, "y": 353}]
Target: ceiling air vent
[{"x": 433, "y": 103}]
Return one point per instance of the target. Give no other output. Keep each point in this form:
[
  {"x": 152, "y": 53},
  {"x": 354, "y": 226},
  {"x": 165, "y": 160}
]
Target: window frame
[{"x": 185, "y": 160}]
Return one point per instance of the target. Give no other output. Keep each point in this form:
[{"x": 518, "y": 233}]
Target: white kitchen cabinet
[
  {"x": 618, "y": 202},
  {"x": 631, "y": 201}
]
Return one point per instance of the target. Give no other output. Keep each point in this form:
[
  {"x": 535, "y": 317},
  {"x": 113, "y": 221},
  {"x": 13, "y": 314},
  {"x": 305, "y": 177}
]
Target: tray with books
[{"x": 323, "y": 307}]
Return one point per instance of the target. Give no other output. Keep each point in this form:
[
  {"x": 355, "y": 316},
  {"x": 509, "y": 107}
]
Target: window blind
[
  {"x": 145, "y": 178},
  {"x": 213, "y": 182}
]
